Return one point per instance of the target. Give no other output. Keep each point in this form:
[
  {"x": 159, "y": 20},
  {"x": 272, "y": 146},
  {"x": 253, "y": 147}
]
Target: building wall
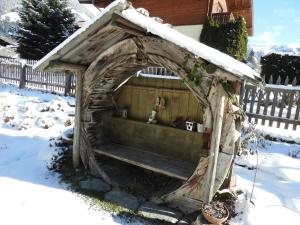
[
  {"x": 192, "y": 31},
  {"x": 183, "y": 12}
]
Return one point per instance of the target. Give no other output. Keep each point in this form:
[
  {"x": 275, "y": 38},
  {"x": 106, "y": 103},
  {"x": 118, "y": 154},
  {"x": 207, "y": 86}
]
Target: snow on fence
[
  {"x": 19, "y": 72},
  {"x": 277, "y": 104},
  {"x": 157, "y": 72}
]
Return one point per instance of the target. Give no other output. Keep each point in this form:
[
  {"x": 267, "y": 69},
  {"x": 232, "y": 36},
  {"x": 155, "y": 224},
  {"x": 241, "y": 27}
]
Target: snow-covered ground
[
  {"x": 30, "y": 194},
  {"x": 277, "y": 188}
]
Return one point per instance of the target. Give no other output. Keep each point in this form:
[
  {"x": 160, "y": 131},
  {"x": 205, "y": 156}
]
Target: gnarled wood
[{"x": 119, "y": 62}]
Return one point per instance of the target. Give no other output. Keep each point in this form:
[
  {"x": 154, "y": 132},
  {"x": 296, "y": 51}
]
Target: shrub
[
  {"x": 44, "y": 25},
  {"x": 230, "y": 38}
]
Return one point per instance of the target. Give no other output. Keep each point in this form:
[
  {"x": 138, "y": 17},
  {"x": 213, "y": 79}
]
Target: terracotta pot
[{"x": 212, "y": 219}]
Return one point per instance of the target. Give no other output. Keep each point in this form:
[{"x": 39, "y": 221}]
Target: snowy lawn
[
  {"x": 277, "y": 189},
  {"x": 29, "y": 193}
]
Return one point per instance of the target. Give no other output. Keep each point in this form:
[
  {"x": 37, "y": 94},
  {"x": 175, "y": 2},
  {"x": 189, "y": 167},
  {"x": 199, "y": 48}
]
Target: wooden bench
[
  {"x": 162, "y": 149},
  {"x": 158, "y": 163}
]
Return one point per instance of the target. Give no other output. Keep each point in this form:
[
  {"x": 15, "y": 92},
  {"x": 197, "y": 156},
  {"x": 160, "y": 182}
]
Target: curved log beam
[{"x": 119, "y": 62}]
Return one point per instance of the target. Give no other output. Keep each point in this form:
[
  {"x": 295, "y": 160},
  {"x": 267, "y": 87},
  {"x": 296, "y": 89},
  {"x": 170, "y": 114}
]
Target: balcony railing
[{"x": 223, "y": 18}]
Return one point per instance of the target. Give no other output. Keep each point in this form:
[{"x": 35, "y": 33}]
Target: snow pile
[
  {"x": 279, "y": 133},
  {"x": 92, "y": 9},
  {"x": 24, "y": 111},
  {"x": 10, "y": 17},
  {"x": 277, "y": 190},
  {"x": 29, "y": 193}
]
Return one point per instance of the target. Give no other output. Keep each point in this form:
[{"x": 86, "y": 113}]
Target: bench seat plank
[{"x": 148, "y": 160}]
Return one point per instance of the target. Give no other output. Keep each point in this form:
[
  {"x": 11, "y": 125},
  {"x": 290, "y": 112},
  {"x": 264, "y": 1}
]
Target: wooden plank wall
[
  {"x": 139, "y": 95},
  {"x": 275, "y": 106},
  {"x": 164, "y": 140}
]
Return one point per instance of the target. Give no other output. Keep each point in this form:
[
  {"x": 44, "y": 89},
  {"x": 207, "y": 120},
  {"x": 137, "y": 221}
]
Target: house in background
[{"x": 187, "y": 16}]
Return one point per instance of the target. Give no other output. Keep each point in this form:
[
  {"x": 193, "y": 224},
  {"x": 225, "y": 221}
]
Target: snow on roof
[
  {"x": 203, "y": 51},
  {"x": 8, "y": 40},
  {"x": 163, "y": 31},
  {"x": 91, "y": 8},
  {"x": 80, "y": 16},
  {"x": 45, "y": 61}
]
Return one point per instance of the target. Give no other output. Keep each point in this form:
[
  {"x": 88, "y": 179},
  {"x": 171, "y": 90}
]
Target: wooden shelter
[{"x": 106, "y": 54}]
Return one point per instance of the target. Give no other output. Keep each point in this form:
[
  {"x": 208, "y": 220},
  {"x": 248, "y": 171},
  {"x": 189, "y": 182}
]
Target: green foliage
[
  {"x": 230, "y": 38},
  {"x": 283, "y": 66},
  {"x": 44, "y": 25}
]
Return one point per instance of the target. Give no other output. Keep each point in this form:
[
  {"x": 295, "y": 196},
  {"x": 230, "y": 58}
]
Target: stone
[
  {"x": 95, "y": 184},
  {"x": 153, "y": 211},
  {"x": 123, "y": 199},
  {"x": 183, "y": 221}
]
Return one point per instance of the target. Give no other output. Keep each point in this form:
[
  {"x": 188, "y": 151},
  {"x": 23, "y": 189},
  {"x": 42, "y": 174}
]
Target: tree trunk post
[
  {"x": 22, "y": 83},
  {"x": 215, "y": 141},
  {"x": 68, "y": 76},
  {"x": 77, "y": 128}
]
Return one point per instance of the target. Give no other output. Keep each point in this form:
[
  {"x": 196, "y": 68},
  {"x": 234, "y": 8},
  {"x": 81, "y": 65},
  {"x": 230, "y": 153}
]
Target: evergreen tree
[{"x": 44, "y": 24}]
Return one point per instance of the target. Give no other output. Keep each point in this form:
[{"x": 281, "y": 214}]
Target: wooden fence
[
  {"x": 20, "y": 72},
  {"x": 279, "y": 105}
]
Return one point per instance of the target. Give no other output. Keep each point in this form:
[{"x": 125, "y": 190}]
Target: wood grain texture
[
  {"x": 115, "y": 65},
  {"x": 138, "y": 95},
  {"x": 164, "y": 140},
  {"x": 155, "y": 162}
]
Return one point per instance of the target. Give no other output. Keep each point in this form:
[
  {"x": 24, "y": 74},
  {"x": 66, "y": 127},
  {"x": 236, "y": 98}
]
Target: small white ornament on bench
[
  {"x": 152, "y": 117},
  {"x": 200, "y": 127},
  {"x": 190, "y": 126},
  {"x": 124, "y": 113}
]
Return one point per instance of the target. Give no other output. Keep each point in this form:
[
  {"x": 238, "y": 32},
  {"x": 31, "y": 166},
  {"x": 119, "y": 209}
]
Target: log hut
[{"x": 113, "y": 104}]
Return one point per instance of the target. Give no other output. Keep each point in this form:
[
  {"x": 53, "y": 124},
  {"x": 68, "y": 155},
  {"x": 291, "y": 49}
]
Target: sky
[{"x": 276, "y": 22}]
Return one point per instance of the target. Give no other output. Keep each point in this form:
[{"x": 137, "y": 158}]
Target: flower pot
[{"x": 215, "y": 212}]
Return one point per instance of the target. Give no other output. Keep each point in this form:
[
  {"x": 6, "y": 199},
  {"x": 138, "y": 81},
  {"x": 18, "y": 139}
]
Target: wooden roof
[
  {"x": 120, "y": 21},
  {"x": 4, "y": 41}
]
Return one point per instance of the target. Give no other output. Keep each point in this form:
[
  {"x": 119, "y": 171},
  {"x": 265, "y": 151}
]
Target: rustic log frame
[
  {"x": 113, "y": 48},
  {"x": 119, "y": 62}
]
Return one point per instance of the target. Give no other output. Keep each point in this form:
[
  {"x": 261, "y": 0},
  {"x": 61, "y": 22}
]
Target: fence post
[
  {"x": 68, "y": 80},
  {"x": 22, "y": 83}
]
